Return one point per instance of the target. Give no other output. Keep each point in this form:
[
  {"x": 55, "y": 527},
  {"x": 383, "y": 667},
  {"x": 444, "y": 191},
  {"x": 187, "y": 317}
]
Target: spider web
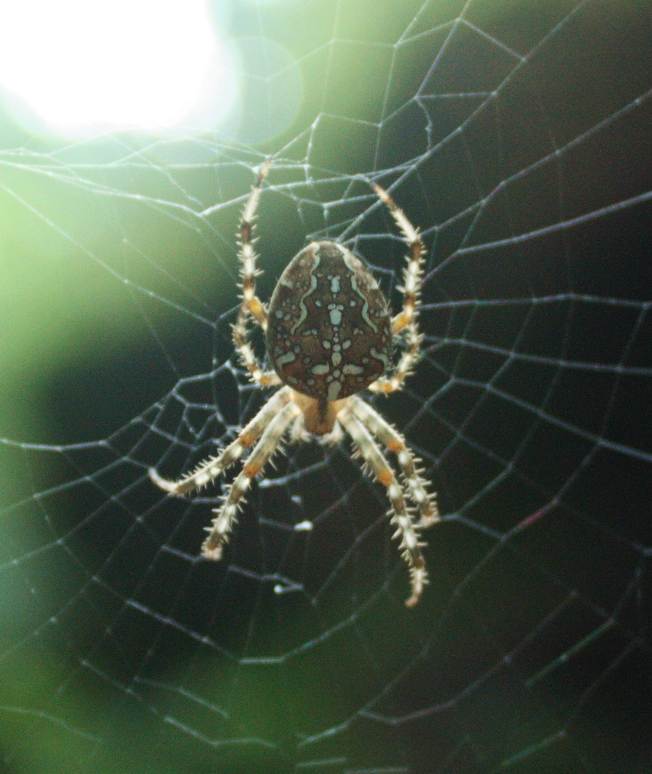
[{"x": 517, "y": 137}]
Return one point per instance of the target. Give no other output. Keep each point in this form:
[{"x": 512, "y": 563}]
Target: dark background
[{"x": 517, "y": 136}]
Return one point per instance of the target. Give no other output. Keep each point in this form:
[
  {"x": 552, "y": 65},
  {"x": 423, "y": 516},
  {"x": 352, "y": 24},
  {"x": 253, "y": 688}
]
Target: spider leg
[
  {"x": 246, "y": 253},
  {"x": 405, "y": 365},
  {"x": 225, "y": 515},
  {"x": 413, "y": 272},
  {"x": 248, "y": 356},
  {"x": 251, "y": 304},
  {"x": 415, "y": 485},
  {"x": 211, "y": 468},
  {"x": 406, "y": 530}
]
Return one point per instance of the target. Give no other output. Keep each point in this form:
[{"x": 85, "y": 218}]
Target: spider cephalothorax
[{"x": 329, "y": 335}]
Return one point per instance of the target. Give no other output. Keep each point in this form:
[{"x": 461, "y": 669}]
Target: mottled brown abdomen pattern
[{"x": 329, "y": 331}]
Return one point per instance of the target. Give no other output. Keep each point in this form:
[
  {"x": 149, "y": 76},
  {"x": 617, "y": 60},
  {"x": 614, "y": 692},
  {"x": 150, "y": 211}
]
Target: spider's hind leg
[
  {"x": 405, "y": 322},
  {"x": 405, "y": 365},
  {"x": 247, "y": 355},
  {"x": 413, "y": 272},
  {"x": 251, "y": 305},
  {"x": 246, "y": 252}
]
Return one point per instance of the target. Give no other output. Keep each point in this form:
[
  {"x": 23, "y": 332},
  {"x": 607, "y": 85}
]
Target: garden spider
[{"x": 329, "y": 335}]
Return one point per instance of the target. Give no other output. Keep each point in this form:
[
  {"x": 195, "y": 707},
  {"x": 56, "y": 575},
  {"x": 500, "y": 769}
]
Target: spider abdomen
[{"x": 329, "y": 331}]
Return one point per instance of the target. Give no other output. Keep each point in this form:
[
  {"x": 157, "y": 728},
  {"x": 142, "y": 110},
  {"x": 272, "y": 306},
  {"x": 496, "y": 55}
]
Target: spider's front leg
[
  {"x": 211, "y": 468},
  {"x": 393, "y": 441},
  {"x": 406, "y": 530},
  {"x": 226, "y": 514}
]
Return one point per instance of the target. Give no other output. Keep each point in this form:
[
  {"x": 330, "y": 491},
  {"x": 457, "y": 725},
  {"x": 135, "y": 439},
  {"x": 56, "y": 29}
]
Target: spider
[{"x": 329, "y": 335}]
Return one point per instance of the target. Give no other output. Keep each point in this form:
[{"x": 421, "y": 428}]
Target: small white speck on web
[
  {"x": 286, "y": 587},
  {"x": 303, "y": 526}
]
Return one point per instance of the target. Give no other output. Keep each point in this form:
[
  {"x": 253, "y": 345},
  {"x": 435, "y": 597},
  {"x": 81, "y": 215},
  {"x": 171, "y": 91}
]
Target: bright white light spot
[{"x": 84, "y": 67}]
